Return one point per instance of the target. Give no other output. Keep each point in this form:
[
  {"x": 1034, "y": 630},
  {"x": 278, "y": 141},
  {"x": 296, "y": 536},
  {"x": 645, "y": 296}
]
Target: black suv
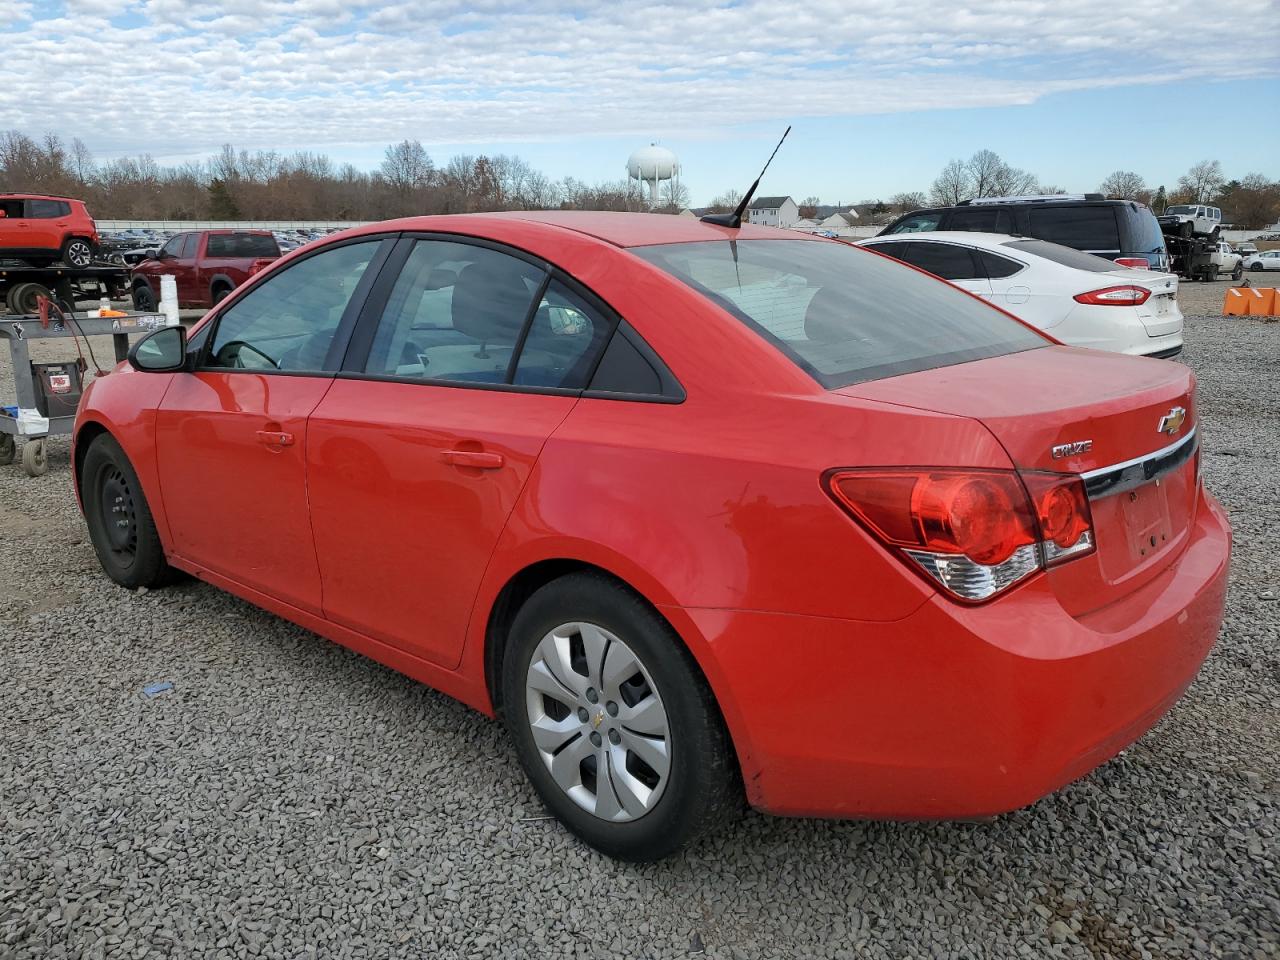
[{"x": 1115, "y": 229}]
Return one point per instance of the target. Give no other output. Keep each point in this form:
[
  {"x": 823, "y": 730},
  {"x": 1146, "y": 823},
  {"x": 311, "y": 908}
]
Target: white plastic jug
[{"x": 169, "y": 298}]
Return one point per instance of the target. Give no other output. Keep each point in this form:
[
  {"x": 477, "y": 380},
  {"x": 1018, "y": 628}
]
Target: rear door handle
[
  {"x": 275, "y": 438},
  {"x": 474, "y": 458}
]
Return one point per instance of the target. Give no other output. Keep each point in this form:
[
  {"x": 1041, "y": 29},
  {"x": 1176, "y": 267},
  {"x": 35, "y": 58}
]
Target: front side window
[
  {"x": 173, "y": 248},
  {"x": 840, "y": 314},
  {"x": 455, "y": 313},
  {"x": 189, "y": 244},
  {"x": 289, "y": 321},
  {"x": 918, "y": 223}
]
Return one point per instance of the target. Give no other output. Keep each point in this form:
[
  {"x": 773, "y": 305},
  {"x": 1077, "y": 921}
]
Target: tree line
[{"x": 266, "y": 185}]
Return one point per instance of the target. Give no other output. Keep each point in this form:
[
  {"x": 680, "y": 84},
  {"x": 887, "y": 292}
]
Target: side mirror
[
  {"x": 164, "y": 351},
  {"x": 160, "y": 254}
]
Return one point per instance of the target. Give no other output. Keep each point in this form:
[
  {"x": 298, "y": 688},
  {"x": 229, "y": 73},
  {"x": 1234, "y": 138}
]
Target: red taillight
[
  {"x": 1134, "y": 263},
  {"x": 974, "y": 532},
  {"x": 1123, "y": 296},
  {"x": 259, "y": 265}
]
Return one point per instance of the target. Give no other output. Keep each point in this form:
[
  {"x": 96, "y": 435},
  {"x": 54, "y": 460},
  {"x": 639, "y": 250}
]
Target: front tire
[
  {"x": 120, "y": 524},
  {"x": 1237, "y": 272},
  {"x": 144, "y": 301},
  {"x": 613, "y": 722},
  {"x": 1257, "y": 268}
]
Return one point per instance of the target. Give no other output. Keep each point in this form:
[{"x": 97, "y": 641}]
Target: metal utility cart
[{"x": 48, "y": 393}]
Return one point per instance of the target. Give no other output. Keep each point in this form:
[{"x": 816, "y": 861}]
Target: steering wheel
[{"x": 230, "y": 354}]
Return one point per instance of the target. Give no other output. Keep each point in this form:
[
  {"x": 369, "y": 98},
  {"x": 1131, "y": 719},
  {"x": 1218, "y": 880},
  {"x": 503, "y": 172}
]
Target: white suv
[{"x": 1191, "y": 219}]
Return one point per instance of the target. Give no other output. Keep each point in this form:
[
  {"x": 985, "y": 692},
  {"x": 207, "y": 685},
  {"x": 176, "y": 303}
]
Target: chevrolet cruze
[{"x": 702, "y": 513}]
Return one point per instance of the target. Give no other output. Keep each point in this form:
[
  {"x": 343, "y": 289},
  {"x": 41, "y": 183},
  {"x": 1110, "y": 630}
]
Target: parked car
[
  {"x": 1120, "y": 230},
  {"x": 1191, "y": 220},
  {"x": 207, "y": 265},
  {"x": 1246, "y": 249},
  {"x": 1078, "y": 298},
  {"x": 1263, "y": 261},
  {"x": 696, "y": 518},
  {"x": 42, "y": 230}
]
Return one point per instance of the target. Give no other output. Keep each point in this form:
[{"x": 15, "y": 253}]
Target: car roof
[
  {"x": 967, "y": 237},
  {"x": 618, "y": 229},
  {"x": 35, "y": 196}
]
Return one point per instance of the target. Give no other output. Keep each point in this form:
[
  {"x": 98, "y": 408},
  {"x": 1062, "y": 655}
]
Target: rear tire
[
  {"x": 77, "y": 253},
  {"x": 591, "y": 666},
  {"x": 25, "y": 298},
  {"x": 219, "y": 293},
  {"x": 120, "y": 524}
]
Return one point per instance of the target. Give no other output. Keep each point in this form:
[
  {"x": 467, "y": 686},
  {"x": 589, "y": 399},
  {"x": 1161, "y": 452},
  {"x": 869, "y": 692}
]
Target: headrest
[
  {"x": 490, "y": 301},
  {"x": 826, "y": 318}
]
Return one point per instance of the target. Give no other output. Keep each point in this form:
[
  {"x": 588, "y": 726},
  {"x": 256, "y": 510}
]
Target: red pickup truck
[{"x": 207, "y": 264}]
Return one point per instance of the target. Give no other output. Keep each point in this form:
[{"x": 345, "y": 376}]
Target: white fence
[{"x": 110, "y": 226}]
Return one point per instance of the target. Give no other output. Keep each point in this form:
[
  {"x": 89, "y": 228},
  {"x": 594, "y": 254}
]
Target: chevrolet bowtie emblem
[{"x": 1172, "y": 421}]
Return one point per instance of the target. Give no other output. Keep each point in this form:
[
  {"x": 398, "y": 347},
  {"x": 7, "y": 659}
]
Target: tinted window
[
  {"x": 917, "y": 223},
  {"x": 189, "y": 243},
  {"x": 624, "y": 369},
  {"x": 837, "y": 312},
  {"x": 945, "y": 260},
  {"x": 563, "y": 342},
  {"x": 288, "y": 321},
  {"x": 241, "y": 245},
  {"x": 981, "y": 220},
  {"x": 1141, "y": 230},
  {"x": 1063, "y": 255},
  {"x": 12, "y": 208},
  {"x": 997, "y": 266},
  {"x": 47, "y": 209},
  {"x": 1085, "y": 228},
  {"x": 455, "y": 313}
]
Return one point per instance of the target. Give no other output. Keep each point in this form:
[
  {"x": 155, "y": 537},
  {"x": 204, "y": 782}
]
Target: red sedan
[{"x": 698, "y": 511}]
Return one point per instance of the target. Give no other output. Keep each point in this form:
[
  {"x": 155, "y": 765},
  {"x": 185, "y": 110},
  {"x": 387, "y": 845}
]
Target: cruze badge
[
  {"x": 1172, "y": 421},
  {"x": 1071, "y": 449}
]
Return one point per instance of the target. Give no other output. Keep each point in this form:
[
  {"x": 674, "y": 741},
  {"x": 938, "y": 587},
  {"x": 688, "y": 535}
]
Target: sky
[{"x": 881, "y": 93}]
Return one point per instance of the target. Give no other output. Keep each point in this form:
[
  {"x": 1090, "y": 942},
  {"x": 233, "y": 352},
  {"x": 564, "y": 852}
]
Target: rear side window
[
  {"x": 946, "y": 260},
  {"x": 48, "y": 209},
  {"x": 1063, "y": 255},
  {"x": 1085, "y": 228},
  {"x": 839, "y": 313},
  {"x": 565, "y": 337},
  {"x": 254, "y": 245},
  {"x": 1140, "y": 231},
  {"x": 998, "y": 267}
]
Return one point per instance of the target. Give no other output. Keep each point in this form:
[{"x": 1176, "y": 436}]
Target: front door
[
  {"x": 419, "y": 452},
  {"x": 231, "y": 438}
]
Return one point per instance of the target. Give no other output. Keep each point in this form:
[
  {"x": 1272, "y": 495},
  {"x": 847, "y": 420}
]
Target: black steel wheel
[
  {"x": 144, "y": 299},
  {"x": 120, "y": 524}
]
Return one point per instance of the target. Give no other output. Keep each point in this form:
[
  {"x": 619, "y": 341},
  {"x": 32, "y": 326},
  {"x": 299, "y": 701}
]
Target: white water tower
[{"x": 652, "y": 165}]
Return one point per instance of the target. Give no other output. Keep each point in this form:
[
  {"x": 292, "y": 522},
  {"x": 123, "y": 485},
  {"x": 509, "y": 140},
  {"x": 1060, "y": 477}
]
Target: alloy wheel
[
  {"x": 598, "y": 722},
  {"x": 79, "y": 253}
]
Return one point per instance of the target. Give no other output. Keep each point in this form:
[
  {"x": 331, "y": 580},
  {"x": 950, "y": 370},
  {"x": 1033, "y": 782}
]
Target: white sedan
[
  {"x": 1075, "y": 297},
  {"x": 1263, "y": 261}
]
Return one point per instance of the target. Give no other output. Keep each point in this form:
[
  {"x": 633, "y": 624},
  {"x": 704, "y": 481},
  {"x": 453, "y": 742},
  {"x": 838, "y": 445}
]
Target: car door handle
[
  {"x": 474, "y": 458},
  {"x": 275, "y": 438}
]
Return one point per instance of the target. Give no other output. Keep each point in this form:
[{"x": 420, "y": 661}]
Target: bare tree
[
  {"x": 673, "y": 196},
  {"x": 953, "y": 184},
  {"x": 1123, "y": 185},
  {"x": 406, "y": 166},
  {"x": 906, "y": 202},
  {"x": 1201, "y": 182},
  {"x": 726, "y": 202}
]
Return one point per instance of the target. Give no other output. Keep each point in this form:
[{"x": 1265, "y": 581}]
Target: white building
[{"x": 773, "y": 211}]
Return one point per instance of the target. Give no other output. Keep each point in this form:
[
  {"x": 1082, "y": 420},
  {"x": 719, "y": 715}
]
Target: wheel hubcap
[
  {"x": 78, "y": 254},
  {"x": 118, "y": 515},
  {"x": 598, "y": 722}
]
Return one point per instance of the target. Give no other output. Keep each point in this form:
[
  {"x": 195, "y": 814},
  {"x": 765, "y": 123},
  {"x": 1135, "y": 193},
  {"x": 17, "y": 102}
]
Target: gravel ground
[{"x": 291, "y": 799}]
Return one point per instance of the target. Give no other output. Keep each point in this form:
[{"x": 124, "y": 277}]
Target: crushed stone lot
[{"x": 289, "y": 799}]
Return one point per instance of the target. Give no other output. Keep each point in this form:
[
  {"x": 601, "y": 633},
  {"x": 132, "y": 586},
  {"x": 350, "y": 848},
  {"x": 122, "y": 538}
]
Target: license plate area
[{"x": 1148, "y": 530}]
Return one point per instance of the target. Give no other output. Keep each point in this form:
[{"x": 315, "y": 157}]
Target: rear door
[
  {"x": 183, "y": 267},
  {"x": 418, "y": 453},
  {"x": 231, "y": 438},
  {"x": 42, "y": 219},
  {"x": 950, "y": 261}
]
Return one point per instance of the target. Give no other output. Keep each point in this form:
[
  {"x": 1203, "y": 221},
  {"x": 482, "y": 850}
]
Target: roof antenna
[{"x": 735, "y": 219}]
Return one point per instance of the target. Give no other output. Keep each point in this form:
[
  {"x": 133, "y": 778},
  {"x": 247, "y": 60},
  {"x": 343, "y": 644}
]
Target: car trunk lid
[
  {"x": 1159, "y": 314},
  {"x": 1101, "y": 415}
]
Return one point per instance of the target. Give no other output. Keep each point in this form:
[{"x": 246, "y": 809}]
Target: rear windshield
[
  {"x": 1085, "y": 228},
  {"x": 1143, "y": 229},
  {"x": 842, "y": 314},
  {"x": 1063, "y": 255},
  {"x": 242, "y": 245}
]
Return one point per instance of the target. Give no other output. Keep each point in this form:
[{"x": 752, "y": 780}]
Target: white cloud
[{"x": 176, "y": 76}]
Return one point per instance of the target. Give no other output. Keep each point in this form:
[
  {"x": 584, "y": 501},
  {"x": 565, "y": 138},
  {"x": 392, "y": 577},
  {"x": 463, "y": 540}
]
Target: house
[
  {"x": 773, "y": 211},
  {"x": 838, "y": 221}
]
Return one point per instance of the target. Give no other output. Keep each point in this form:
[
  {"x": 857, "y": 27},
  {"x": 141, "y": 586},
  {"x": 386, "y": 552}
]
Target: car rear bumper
[{"x": 954, "y": 711}]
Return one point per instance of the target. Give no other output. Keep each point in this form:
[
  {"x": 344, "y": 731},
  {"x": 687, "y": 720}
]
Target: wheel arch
[
  {"x": 522, "y": 584},
  {"x": 220, "y": 280}
]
